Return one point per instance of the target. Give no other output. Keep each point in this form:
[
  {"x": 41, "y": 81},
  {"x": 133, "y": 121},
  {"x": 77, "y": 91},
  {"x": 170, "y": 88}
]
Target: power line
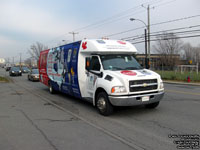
[
  {"x": 175, "y": 20},
  {"x": 180, "y": 19},
  {"x": 163, "y": 4},
  {"x": 191, "y": 36},
  {"x": 180, "y": 33},
  {"x": 162, "y": 31},
  {"x": 174, "y": 29},
  {"x": 114, "y": 20}
]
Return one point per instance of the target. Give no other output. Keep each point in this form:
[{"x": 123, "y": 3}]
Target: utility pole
[
  {"x": 146, "y": 60},
  {"x": 148, "y": 33},
  {"x": 73, "y": 33},
  {"x": 13, "y": 61},
  {"x": 149, "y": 46},
  {"x": 20, "y": 60}
]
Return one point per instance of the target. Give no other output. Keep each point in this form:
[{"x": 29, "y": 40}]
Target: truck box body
[{"x": 89, "y": 68}]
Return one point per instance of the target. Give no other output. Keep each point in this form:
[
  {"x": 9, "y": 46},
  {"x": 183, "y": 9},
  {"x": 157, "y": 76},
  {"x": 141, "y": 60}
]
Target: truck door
[{"x": 92, "y": 75}]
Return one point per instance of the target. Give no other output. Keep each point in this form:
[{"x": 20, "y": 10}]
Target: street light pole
[
  {"x": 149, "y": 47},
  {"x": 145, "y": 37}
]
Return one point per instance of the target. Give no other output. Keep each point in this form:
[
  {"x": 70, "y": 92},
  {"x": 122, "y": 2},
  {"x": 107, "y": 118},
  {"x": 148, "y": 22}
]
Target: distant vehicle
[
  {"x": 15, "y": 71},
  {"x": 103, "y": 72},
  {"x": 33, "y": 75},
  {"x": 7, "y": 68},
  {"x": 25, "y": 69}
]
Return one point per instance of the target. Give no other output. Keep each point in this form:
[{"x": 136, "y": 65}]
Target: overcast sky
[{"x": 24, "y": 22}]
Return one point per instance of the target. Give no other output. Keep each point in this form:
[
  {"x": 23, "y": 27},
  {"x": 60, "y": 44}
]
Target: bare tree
[
  {"x": 196, "y": 58},
  {"x": 188, "y": 52},
  {"x": 168, "y": 46},
  {"x": 191, "y": 53},
  {"x": 35, "y": 50},
  {"x": 28, "y": 62}
]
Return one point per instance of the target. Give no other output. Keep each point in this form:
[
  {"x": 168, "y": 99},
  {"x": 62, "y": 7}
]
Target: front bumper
[
  {"x": 35, "y": 78},
  {"x": 15, "y": 73},
  {"x": 135, "y": 100}
]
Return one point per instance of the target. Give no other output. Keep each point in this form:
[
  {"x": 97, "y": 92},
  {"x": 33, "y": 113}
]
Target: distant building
[{"x": 157, "y": 61}]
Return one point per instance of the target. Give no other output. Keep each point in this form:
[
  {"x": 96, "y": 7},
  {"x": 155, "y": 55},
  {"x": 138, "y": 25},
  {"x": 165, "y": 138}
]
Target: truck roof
[{"x": 100, "y": 46}]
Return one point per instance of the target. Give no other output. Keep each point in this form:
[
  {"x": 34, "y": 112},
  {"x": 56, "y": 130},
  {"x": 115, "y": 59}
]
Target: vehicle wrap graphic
[{"x": 62, "y": 68}]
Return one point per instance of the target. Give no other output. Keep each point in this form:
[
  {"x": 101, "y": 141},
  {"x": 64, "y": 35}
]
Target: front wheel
[
  {"x": 103, "y": 104},
  {"x": 51, "y": 90},
  {"x": 153, "y": 105}
]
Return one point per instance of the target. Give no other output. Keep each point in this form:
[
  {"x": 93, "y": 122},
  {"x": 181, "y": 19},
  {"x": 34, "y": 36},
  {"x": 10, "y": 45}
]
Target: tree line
[{"x": 170, "y": 47}]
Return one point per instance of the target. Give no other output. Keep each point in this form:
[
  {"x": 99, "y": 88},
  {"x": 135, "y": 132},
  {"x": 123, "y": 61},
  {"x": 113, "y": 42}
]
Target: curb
[{"x": 181, "y": 83}]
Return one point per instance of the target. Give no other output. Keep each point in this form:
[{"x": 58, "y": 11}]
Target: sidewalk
[{"x": 181, "y": 82}]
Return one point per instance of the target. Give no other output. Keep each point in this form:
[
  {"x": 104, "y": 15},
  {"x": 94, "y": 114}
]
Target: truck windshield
[{"x": 119, "y": 62}]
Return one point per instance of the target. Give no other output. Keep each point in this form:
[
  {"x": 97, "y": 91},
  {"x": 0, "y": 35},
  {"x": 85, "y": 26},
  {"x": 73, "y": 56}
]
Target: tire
[
  {"x": 152, "y": 106},
  {"x": 51, "y": 90},
  {"x": 103, "y": 104},
  {"x": 28, "y": 78}
]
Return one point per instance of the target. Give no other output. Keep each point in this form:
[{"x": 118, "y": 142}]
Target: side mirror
[{"x": 87, "y": 63}]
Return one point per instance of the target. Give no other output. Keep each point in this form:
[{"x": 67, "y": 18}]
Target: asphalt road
[{"x": 32, "y": 118}]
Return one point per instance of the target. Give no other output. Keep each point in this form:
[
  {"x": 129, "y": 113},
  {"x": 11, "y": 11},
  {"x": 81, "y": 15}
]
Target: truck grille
[{"x": 143, "y": 85}]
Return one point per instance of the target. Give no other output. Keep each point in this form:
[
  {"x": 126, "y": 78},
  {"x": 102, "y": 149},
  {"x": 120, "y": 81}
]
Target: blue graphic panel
[{"x": 62, "y": 68}]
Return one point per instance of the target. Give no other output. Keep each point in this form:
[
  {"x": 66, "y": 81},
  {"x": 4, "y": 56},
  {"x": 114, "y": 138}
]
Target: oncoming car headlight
[
  {"x": 161, "y": 85},
  {"x": 118, "y": 89}
]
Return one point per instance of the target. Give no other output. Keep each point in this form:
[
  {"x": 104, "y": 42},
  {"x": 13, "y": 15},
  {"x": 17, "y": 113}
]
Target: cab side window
[{"x": 94, "y": 64}]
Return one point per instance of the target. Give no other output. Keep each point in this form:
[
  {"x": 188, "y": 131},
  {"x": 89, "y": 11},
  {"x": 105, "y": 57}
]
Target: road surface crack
[
  {"x": 60, "y": 120},
  {"x": 37, "y": 128}
]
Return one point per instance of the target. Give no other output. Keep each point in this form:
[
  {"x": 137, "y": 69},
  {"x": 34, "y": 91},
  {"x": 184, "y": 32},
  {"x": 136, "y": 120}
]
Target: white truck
[{"x": 103, "y": 72}]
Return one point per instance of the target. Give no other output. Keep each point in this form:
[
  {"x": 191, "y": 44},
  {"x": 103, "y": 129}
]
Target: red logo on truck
[
  {"x": 121, "y": 42},
  {"x": 129, "y": 73},
  {"x": 84, "y": 45}
]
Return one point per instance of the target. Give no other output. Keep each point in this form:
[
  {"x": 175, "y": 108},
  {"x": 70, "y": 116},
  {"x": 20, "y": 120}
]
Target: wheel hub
[{"x": 101, "y": 104}]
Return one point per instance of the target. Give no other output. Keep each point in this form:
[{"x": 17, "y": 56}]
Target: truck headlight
[
  {"x": 13, "y": 72},
  {"x": 118, "y": 89},
  {"x": 161, "y": 85}
]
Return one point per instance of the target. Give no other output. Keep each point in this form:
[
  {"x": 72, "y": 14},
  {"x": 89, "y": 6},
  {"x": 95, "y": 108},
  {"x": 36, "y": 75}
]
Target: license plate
[{"x": 145, "y": 98}]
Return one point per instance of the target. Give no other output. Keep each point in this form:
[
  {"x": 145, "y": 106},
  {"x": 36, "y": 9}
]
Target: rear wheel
[
  {"x": 103, "y": 104},
  {"x": 153, "y": 105}
]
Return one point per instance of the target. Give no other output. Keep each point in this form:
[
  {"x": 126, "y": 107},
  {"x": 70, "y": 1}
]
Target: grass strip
[{"x": 3, "y": 79}]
